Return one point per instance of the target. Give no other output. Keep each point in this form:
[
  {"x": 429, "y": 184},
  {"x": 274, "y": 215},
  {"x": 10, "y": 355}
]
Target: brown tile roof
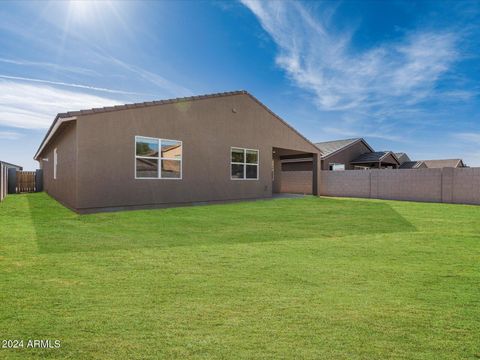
[
  {"x": 330, "y": 147},
  {"x": 441, "y": 163},
  {"x": 149, "y": 103},
  {"x": 70, "y": 114},
  {"x": 372, "y": 157},
  {"x": 410, "y": 165},
  {"x": 402, "y": 157}
]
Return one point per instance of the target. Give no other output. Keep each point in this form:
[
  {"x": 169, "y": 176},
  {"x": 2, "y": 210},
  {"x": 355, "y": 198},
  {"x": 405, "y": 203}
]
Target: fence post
[
  {"x": 38, "y": 180},
  {"x": 12, "y": 181},
  {"x": 316, "y": 178}
]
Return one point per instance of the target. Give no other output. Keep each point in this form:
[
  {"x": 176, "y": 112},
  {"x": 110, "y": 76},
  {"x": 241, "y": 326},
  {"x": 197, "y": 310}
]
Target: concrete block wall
[
  {"x": 413, "y": 184},
  {"x": 448, "y": 185},
  {"x": 351, "y": 183},
  {"x": 297, "y": 182},
  {"x": 466, "y": 186}
]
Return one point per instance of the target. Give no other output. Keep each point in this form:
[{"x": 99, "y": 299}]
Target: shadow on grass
[{"x": 60, "y": 230}]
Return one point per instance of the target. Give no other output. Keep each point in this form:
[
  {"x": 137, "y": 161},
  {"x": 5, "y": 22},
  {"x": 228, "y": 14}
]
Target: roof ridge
[
  {"x": 350, "y": 139},
  {"x": 149, "y": 103},
  {"x": 71, "y": 115},
  {"x": 441, "y": 159}
]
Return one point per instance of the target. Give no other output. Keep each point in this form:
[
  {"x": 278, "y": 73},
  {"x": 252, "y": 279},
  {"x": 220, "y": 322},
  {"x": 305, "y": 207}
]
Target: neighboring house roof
[
  {"x": 328, "y": 148},
  {"x": 376, "y": 156},
  {"x": 402, "y": 157},
  {"x": 72, "y": 115},
  {"x": 441, "y": 163},
  {"x": 9, "y": 165},
  {"x": 411, "y": 165}
]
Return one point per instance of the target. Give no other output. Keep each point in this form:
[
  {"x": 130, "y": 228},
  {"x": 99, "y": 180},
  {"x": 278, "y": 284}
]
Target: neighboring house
[
  {"x": 376, "y": 160},
  {"x": 433, "y": 164},
  {"x": 402, "y": 157},
  {"x": 11, "y": 166},
  {"x": 338, "y": 154},
  {"x": 442, "y": 163},
  {"x": 4, "y": 177},
  {"x": 413, "y": 165},
  {"x": 217, "y": 147},
  {"x": 346, "y": 154}
]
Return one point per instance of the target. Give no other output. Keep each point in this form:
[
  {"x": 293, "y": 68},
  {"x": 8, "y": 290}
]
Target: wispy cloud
[
  {"x": 469, "y": 137},
  {"x": 79, "y": 86},
  {"x": 335, "y": 132},
  {"x": 324, "y": 62},
  {"x": 34, "y": 106},
  {"x": 10, "y": 135},
  {"x": 50, "y": 66},
  {"x": 159, "y": 81}
]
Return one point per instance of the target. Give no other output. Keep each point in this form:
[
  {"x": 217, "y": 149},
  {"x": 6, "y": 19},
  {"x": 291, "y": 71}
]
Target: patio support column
[{"x": 316, "y": 168}]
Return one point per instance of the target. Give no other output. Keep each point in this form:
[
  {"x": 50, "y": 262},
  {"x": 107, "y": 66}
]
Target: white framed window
[
  {"x": 244, "y": 164},
  {"x": 55, "y": 160},
  {"x": 158, "y": 158},
  {"x": 336, "y": 166}
]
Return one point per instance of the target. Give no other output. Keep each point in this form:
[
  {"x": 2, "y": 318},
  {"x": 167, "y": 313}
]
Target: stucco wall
[
  {"x": 207, "y": 127},
  {"x": 64, "y": 188},
  {"x": 460, "y": 185},
  {"x": 297, "y": 182}
]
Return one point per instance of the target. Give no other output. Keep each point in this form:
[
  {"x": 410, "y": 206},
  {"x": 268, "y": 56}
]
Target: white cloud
[
  {"x": 323, "y": 61},
  {"x": 34, "y": 106}
]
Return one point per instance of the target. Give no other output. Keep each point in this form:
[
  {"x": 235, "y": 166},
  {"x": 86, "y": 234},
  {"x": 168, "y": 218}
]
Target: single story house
[
  {"x": 345, "y": 154},
  {"x": 11, "y": 166},
  {"x": 402, "y": 157},
  {"x": 406, "y": 163},
  {"x": 217, "y": 147}
]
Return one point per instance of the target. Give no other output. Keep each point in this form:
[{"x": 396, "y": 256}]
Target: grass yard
[{"x": 310, "y": 278}]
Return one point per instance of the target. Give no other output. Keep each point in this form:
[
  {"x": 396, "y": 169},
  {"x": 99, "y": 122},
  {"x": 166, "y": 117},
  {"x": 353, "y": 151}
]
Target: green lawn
[{"x": 289, "y": 278}]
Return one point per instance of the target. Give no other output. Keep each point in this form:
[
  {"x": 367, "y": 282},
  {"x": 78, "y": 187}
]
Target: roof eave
[
  {"x": 347, "y": 146},
  {"x": 59, "y": 120}
]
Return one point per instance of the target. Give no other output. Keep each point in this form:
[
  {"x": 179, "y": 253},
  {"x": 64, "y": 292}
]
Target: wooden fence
[{"x": 25, "y": 181}]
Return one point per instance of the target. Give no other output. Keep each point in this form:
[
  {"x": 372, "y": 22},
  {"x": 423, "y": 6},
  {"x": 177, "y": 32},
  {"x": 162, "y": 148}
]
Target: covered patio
[{"x": 304, "y": 181}]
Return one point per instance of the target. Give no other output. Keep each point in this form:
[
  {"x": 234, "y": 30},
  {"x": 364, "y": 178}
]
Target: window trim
[
  {"x": 159, "y": 158},
  {"x": 55, "y": 162},
  {"x": 244, "y": 163}
]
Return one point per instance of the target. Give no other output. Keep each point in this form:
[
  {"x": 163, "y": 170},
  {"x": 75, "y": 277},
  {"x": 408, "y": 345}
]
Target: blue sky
[{"x": 403, "y": 75}]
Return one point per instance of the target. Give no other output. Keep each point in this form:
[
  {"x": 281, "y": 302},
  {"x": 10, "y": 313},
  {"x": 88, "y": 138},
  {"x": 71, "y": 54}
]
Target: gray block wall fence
[
  {"x": 296, "y": 182},
  {"x": 447, "y": 185}
]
